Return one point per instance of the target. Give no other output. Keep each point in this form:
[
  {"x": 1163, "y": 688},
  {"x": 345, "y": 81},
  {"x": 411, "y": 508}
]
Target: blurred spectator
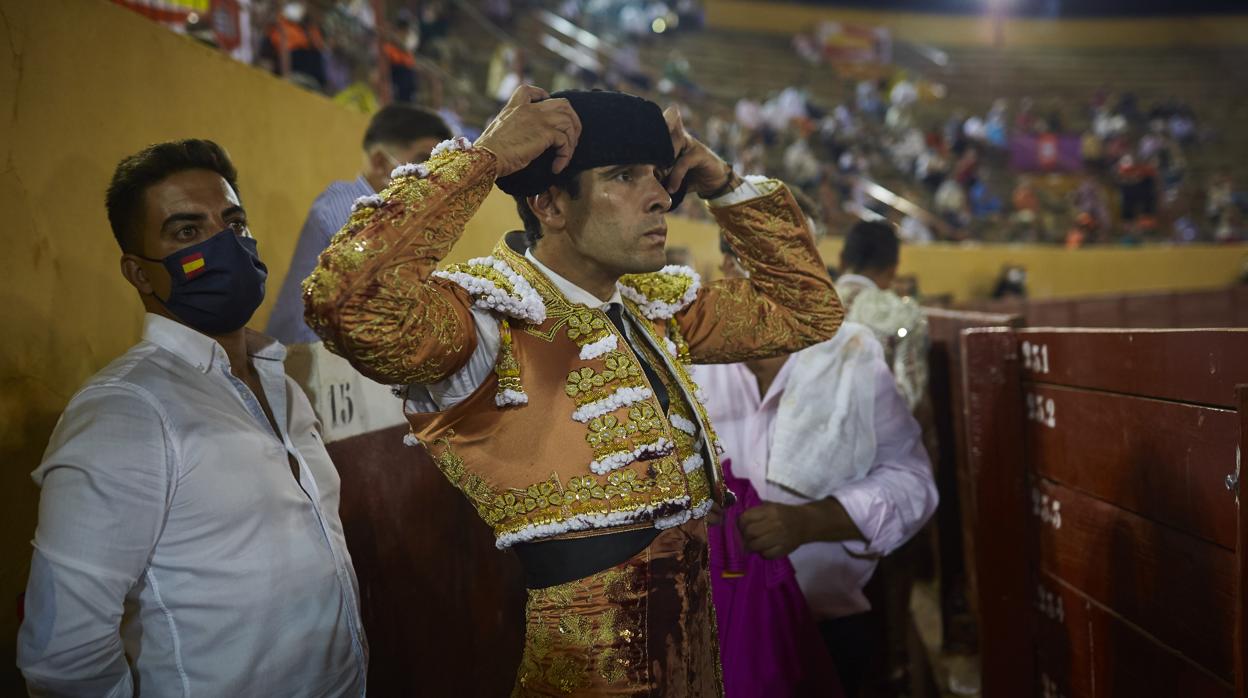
[
  {"x": 1012, "y": 283},
  {"x": 293, "y": 46},
  {"x": 396, "y": 135}
]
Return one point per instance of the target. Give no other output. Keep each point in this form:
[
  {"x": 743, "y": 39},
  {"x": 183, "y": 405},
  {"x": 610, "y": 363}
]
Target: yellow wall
[
  {"x": 977, "y": 30},
  {"x": 85, "y": 83},
  {"x": 969, "y": 271}
]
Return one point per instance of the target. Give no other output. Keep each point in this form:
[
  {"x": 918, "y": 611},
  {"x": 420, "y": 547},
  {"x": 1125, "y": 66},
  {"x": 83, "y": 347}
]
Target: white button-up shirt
[
  {"x": 888, "y": 505},
  {"x": 176, "y": 554}
]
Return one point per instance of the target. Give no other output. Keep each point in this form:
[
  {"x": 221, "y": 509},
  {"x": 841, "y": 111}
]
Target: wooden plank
[
  {"x": 1163, "y": 460},
  {"x": 1064, "y": 643},
  {"x": 1205, "y": 309},
  {"x": 1239, "y": 299},
  {"x": 1152, "y": 310},
  {"x": 443, "y": 608},
  {"x": 1197, "y": 366},
  {"x": 1084, "y": 650},
  {"x": 1175, "y": 587},
  {"x": 1127, "y": 662},
  {"x": 994, "y": 431},
  {"x": 955, "y": 521},
  {"x": 1098, "y": 312},
  {"x": 1238, "y": 484}
]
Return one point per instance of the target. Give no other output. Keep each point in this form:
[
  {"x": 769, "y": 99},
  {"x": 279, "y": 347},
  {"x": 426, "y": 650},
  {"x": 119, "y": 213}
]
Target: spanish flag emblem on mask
[{"x": 192, "y": 265}]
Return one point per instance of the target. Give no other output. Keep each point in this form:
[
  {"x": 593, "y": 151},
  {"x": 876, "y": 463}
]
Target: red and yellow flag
[{"x": 192, "y": 265}]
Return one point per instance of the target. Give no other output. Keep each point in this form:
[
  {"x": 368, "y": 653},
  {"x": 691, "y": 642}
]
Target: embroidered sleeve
[
  {"x": 787, "y": 304},
  {"x": 373, "y": 297}
]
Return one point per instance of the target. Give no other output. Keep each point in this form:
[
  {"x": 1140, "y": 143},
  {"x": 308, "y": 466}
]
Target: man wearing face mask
[
  {"x": 396, "y": 135},
  {"x": 189, "y": 540}
]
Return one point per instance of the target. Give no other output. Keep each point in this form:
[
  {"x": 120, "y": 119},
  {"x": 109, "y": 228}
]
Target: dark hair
[
  {"x": 567, "y": 181},
  {"x": 137, "y": 172},
  {"x": 403, "y": 124},
  {"x": 870, "y": 246}
]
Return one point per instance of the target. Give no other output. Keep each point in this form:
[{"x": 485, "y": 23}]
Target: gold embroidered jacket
[{"x": 566, "y": 436}]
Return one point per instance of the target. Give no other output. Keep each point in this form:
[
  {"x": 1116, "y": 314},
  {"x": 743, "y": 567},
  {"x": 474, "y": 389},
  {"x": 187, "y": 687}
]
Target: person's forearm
[
  {"x": 771, "y": 239},
  {"x": 827, "y": 521}
]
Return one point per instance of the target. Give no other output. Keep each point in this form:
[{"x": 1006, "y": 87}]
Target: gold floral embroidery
[
  {"x": 660, "y": 286},
  {"x": 607, "y": 434},
  {"x": 585, "y": 327},
  {"x": 587, "y": 385}
]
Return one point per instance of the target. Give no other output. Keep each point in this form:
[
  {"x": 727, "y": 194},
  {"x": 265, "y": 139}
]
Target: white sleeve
[
  {"x": 456, "y": 388},
  {"x": 898, "y": 495},
  {"x": 106, "y": 480},
  {"x": 751, "y": 187}
]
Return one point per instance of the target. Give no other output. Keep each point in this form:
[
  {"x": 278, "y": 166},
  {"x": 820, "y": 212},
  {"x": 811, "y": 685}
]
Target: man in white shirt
[
  {"x": 827, "y": 440},
  {"x": 189, "y": 540}
]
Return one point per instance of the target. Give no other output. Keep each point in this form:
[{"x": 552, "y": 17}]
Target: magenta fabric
[{"x": 768, "y": 641}]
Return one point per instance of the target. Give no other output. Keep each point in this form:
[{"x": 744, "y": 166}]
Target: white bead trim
[
  {"x": 692, "y": 463},
  {"x": 683, "y": 424},
  {"x": 680, "y": 517},
  {"x": 410, "y": 440},
  {"x": 456, "y": 143},
  {"x": 622, "y": 397},
  {"x": 662, "y": 310},
  {"x": 369, "y": 201},
  {"x": 700, "y": 510},
  {"x": 523, "y": 302},
  {"x": 599, "y": 348},
  {"x": 671, "y": 347},
  {"x": 507, "y": 397},
  {"x": 418, "y": 169},
  {"x": 619, "y": 459}
]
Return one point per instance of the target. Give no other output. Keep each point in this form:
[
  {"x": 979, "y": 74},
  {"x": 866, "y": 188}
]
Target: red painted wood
[
  {"x": 956, "y": 515},
  {"x": 1155, "y": 310},
  {"x": 1239, "y": 301},
  {"x": 443, "y": 608},
  {"x": 1050, "y": 313},
  {"x": 1176, "y": 588},
  {"x": 994, "y": 429},
  {"x": 1163, "y": 460},
  {"x": 1185, "y": 365},
  {"x": 1098, "y": 312},
  {"x": 1063, "y": 639},
  {"x": 1205, "y": 309},
  {"x": 1241, "y": 590}
]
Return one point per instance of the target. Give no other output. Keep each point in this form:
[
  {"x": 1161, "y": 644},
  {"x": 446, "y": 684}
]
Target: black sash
[{"x": 551, "y": 562}]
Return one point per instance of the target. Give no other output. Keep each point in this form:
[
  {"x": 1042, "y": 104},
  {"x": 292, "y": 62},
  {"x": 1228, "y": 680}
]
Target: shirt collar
[
  {"x": 571, "y": 291},
  {"x": 200, "y": 350},
  {"x": 856, "y": 280}
]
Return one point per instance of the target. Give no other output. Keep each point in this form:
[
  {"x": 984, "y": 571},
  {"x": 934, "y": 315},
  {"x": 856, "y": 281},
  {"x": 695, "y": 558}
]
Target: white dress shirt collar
[
  {"x": 571, "y": 291},
  {"x": 199, "y": 349}
]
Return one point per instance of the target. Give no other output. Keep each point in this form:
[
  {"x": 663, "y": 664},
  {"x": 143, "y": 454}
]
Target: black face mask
[{"x": 217, "y": 284}]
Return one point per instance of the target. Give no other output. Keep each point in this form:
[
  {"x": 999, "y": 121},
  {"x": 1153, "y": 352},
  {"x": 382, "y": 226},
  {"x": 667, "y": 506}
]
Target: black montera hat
[{"x": 616, "y": 129}]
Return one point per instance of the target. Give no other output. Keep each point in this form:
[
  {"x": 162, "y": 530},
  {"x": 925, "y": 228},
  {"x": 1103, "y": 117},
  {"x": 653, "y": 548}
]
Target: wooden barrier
[
  {"x": 1195, "y": 309},
  {"x": 955, "y": 523},
  {"x": 443, "y": 608},
  {"x": 1104, "y": 466}
]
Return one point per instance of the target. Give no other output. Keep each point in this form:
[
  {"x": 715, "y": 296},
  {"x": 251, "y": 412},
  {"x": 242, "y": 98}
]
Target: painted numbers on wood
[
  {"x": 1041, "y": 409},
  {"x": 1036, "y": 357}
]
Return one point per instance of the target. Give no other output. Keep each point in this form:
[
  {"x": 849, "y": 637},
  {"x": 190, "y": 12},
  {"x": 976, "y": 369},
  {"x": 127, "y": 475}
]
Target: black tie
[{"x": 615, "y": 312}]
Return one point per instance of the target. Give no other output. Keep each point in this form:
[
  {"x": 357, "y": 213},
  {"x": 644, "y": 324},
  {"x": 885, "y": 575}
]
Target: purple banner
[{"x": 1045, "y": 153}]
